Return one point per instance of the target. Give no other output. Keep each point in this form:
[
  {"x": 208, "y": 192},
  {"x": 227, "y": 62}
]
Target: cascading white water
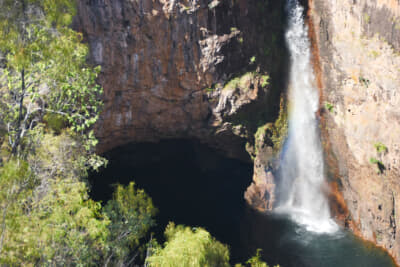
[{"x": 302, "y": 166}]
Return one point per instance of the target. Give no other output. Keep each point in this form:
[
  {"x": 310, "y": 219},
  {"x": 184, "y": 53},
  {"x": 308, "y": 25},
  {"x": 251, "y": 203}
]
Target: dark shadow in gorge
[{"x": 189, "y": 183}]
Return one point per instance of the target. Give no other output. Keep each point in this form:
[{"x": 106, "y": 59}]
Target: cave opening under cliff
[{"x": 189, "y": 183}]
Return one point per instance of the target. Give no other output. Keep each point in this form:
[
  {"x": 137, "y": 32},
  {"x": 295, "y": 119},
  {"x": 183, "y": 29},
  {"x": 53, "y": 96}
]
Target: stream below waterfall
[{"x": 289, "y": 244}]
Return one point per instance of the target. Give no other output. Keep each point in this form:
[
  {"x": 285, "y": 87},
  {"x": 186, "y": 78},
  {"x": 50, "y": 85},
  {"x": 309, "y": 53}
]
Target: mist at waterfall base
[{"x": 301, "y": 178}]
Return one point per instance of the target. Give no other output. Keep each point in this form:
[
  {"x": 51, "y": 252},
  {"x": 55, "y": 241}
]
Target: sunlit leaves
[
  {"x": 131, "y": 212},
  {"x": 189, "y": 247},
  {"x": 46, "y": 70}
]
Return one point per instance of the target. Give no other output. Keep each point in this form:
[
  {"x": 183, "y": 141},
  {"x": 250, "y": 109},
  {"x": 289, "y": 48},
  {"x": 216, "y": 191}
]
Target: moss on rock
[{"x": 273, "y": 134}]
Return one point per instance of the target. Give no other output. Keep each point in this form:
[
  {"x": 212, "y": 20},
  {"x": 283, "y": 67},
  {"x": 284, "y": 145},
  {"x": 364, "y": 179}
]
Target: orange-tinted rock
[
  {"x": 358, "y": 44},
  {"x": 159, "y": 57}
]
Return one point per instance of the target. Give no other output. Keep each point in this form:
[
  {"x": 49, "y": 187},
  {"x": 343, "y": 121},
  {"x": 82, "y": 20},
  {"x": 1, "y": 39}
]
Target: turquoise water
[{"x": 288, "y": 244}]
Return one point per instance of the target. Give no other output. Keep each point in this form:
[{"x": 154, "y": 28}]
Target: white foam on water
[{"x": 302, "y": 166}]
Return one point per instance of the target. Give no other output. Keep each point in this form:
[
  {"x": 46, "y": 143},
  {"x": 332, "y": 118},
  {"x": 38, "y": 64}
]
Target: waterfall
[{"x": 302, "y": 168}]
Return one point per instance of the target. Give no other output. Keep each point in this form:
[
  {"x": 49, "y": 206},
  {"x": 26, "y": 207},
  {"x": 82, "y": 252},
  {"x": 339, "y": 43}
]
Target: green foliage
[
  {"x": 265, "y": 79},
  {"x": 46, "y": 86},
  {"x": 244, "y": 81},
  {"x": 276, "y": 132},
  {"x": 188, "y": 247},
  {"x": 46, "y": 71},
  {"x": 256, "y": 261},
  {"x": 329, "y": 106},
  {"x": 239, "y": 82},
  {"x": 213, "y": 87},
  {"x": 380, "y": 148},
  {"x": 50, "y": 221},
  {"x": 55, "y": 122},
  {"x": 240, "y": 39},
  {"x": 374, "y": 53},
  {"x": 58, "y": 156},
  {"x": 51, "y": 224},
  {"x": 232, "y": 84},
  {"x": 252, "y": 59},
  {"x": 234, "y": 29},
  {"x": 131, "y": 213},
  {"x": 380, "y": 166},
  {"x": 364, "y": 81}
]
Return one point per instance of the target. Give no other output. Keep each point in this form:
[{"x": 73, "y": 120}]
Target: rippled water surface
[{"x": 288, "y": 244}]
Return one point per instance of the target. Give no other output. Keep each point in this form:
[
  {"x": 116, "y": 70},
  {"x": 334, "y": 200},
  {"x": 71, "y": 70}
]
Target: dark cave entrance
[{"x": 189, "y": 183}]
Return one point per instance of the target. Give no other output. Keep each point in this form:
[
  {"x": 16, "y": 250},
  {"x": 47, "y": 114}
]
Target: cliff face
[
  {"x": 198, "y": 69},
  {"x": 166, "y": 64},
  {"x": 357, "y": 60}
]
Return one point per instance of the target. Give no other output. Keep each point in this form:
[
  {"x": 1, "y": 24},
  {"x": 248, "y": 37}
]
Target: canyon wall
[
  {"x": 208, "y": 70},
  {"x": 215, "y": 71},
  {"x": 356, "y": 56}
]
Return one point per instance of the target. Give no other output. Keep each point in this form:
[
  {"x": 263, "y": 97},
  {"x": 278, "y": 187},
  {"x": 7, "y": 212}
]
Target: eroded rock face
[
  {"x": 165, "y": 63},
  {"x": 358, "y": 44}
]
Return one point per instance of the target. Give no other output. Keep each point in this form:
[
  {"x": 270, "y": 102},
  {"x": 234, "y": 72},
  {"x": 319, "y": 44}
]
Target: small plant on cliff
[
  {"x": 374, "y": 53},
  {"x": 239, "y": 82},
  {"x": 329, "y": 106},
  {"x": 252, "y": 59},
  {"x": 213, "y": 4},
  {"x": 380, "y": 148},
  {"x": 379, "y": 164},
  {"x": 275, "y": 132},
  {"x": 364, "y": 81},
  {"x": 265, "y": 79},
  {"x": 232, "y": 84}
]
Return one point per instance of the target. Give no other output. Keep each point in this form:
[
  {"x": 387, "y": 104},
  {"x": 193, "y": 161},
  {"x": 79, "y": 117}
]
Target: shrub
[
  {"x": 265, "y": 81},
  {"x": 381, "y": 167},
  {"x": 131, "y": 213},
  {"x": 380, "y": 148},
  {"x": 364, "y": 81},
  {"x": 189, "y": 247}
]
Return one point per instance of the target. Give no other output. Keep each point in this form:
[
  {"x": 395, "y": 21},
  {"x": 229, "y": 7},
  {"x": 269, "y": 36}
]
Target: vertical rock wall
[
  {"x": 165, "y": 64},
  {"x": 357, "y": 53}
]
